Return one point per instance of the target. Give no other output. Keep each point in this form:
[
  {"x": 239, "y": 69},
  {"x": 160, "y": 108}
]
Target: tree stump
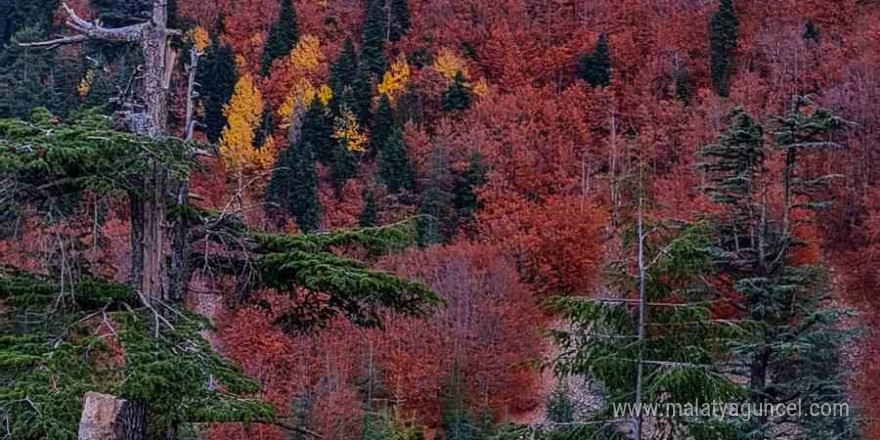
[{"x": 106, "y": 417}]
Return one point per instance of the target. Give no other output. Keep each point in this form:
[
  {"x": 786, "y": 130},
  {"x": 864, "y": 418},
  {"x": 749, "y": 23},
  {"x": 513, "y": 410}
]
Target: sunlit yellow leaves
[
  {"x": 347, "y": 130},
  {"x": 301, "y": 96},
  {"x": 324, "y": 94},
  {"x": 448, "y": 64},
  {"x": 243, "y": 115},
  {"x": 307, "y": 55},
  {"x": 395, "y": 78},
  {"x": 240, "y": 63},
  {"x": 199, "y": 38},
  {"x": 481, "y": 87},
  {"x": 85, "y": 85}
]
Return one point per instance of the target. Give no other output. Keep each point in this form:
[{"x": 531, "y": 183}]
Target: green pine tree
[
  {"x": 27, "y": 75},
  {"x": 362, "y": 97},
  {"x": 458, "y": 421},
  {"x": 373, "y": 37},
  {"x": 395, "y": 168},
  {"x": 345, "y": 70},
  {"x": 294, "y": 185},
  {"x": 683, "y": 85},
  {"x": 317, "y": 129},
  {"x": 595, "y": 67},
  {"x": 811, "y": 31},
  {"x": 723, "y": 38},
  {"x": 168, "y": 368},
  {"x": 792, "y": 347},
  {"x": 458, "y": 96},
  {"x": 466, "y": 202},
  {"x": 216, "y": 76},
  {"x": 343, "y": 166},
  {"x": 400, "y": 19},
  {"x": 383, "y": 124},
  {"x": 348, "y": 84},
  {"x": 282, "y": 37}
]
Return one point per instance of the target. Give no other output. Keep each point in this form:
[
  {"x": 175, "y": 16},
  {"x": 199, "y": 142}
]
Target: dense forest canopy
[{"x": 452, "y": 220}]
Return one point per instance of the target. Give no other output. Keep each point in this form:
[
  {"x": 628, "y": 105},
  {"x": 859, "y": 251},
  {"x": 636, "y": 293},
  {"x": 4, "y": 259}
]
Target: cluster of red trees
[
  {"x": 556, "y": 156},
  {"x": 556, "y": 153}
]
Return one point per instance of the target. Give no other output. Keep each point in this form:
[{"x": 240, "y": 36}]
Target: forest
[{"x": 439, "y": 219}]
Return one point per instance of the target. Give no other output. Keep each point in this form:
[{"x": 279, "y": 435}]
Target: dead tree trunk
[
  {"x": 158, "y": 269},
  {"x": 148, "y": 200},
  {"x": 107, "y": 417}
]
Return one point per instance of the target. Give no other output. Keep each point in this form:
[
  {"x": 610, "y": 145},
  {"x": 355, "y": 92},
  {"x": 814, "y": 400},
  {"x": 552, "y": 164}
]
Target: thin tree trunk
[
  {"x": 194, "y": 56},
  {"x": 643, "y": 306}
]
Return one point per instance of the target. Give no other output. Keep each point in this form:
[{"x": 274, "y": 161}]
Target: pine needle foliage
[
  {"x": 326, "y": 286},
  {"x": 169, "y": 372},
  {"x": 792, "y": 349},
  {"x": 96, "y": 335},
  {"x": 683, "y": 342}
]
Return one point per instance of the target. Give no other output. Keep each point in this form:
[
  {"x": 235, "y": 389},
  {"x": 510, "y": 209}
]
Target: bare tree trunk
[
  {"x": 194, "y": 56},
  {"x": 643, "y": 306},
  {"x": 152, "y": 270}
]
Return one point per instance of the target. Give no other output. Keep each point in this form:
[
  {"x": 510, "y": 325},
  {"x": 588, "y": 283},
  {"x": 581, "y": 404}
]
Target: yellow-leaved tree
[
  {"x": 348, "y": 132},
  {"x": 307, "y": 54},
  {"x": 199, "y": 38},
  {"x": 305, "y": 58},
  {"x": 301, "y": 95},
  {"x": 243, "y": 113},
  {"x": 449, "y": 64},
  {"x": 396, "y": 78}
]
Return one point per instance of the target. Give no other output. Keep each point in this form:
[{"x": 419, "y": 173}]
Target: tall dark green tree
[
  {"x": 466, "y": 202},
  {"x": 16, "y": 15},
  {"x": 383, "y": 124},
  {"x": 302, "y": 409},
  {"x": 318, "y": 130},
  {"x": 344, "y": 71},
  {"x": 395, "y": 168},
  {"x": 684, "y": 350},
  {"x": 595, "y": 67},
  {"x": 362, "y": 97},
  {"x": 560, "y": 406},
  {"x": 282, "y": 37},
  {"x": 373, "y": 36},
  {"x": 26, "y": 75},
  {"x": 792, "y": 349},
  {"x": 723, "y": 39},
  {"x": 400, "y": 19},
  {"x": 216, "y": 77},
  {"x": 352, "y": 85},
  {"x": 343, "y": 166},
  {"x": 458, "y": 96},
  {"x": 294, "y": 185}
]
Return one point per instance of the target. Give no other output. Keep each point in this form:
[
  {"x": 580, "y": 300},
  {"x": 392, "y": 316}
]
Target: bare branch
[
  {"x": 87, "y": 31},
  {"x": 92, "y": 30},
  {"x": 61, "y": 41}
]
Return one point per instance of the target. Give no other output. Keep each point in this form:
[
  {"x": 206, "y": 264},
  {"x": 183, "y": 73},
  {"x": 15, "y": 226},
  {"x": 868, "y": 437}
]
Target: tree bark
[{"x": 106, "y": 417}]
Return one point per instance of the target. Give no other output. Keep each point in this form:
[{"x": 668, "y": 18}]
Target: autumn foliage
[{"x": 558, "y": 153}]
